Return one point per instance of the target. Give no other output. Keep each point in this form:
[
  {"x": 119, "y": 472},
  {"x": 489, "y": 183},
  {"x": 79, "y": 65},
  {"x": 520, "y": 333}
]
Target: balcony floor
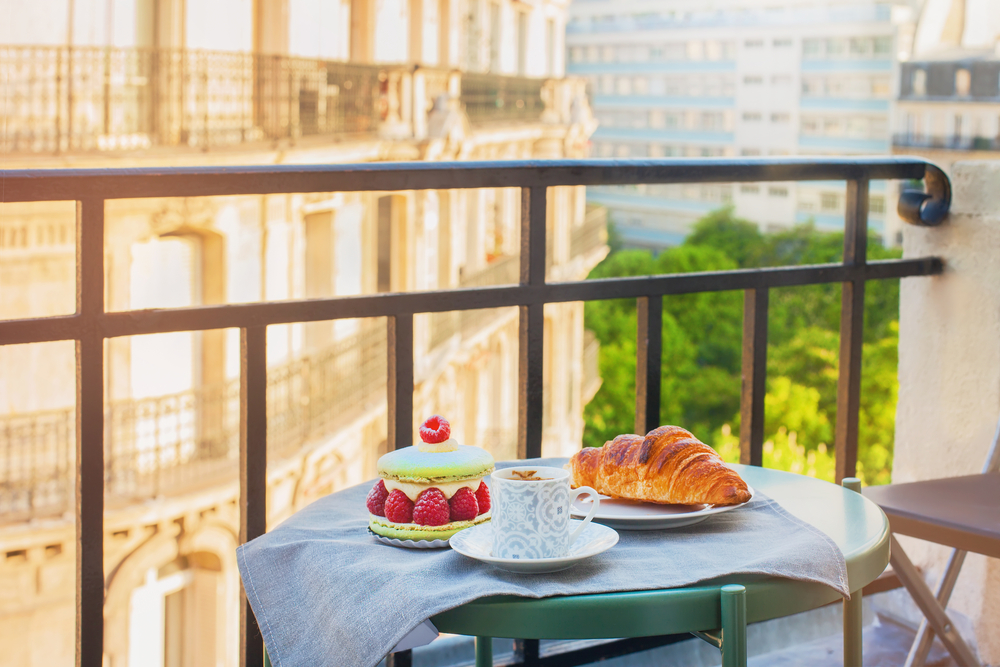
[{"x": 886, "y": 644}]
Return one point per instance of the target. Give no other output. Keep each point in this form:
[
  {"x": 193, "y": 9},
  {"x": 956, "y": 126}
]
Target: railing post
[
  {"x": 253, "y": 471},
  {"x": 754, "y": 376},
  {"x": 531, "y": 326},
  {"x": 852, "y": 310},
  {"x": 400, "y": 380},
  {"x": 90, "y": 435},
  {"x": 527, "y": 652},
  {"x": 649, "y": 347},
  {"x": 400, "y": 410}
]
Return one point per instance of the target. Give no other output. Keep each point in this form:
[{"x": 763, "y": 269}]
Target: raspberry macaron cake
[{"x": 432, "y": 490}]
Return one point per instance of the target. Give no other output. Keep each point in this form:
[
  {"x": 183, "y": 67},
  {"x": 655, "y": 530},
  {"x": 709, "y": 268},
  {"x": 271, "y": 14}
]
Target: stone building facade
[{"x": 235, "y": 82}]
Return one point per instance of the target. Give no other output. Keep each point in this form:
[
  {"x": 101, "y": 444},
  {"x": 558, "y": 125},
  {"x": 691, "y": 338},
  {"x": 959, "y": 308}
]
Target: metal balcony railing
[
  {"x": 952, "y": 142},
  {"x": 168, "y": 444},
  {"x": 91, "y": 98},
  {"x": 91, "y": 325},
  {"x": 73, "y": 99},
  {"x": 488, "y": 97}
]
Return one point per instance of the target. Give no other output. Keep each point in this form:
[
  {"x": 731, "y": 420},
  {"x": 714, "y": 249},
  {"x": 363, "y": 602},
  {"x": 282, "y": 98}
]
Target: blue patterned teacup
[{"x": 530, "y": 513}]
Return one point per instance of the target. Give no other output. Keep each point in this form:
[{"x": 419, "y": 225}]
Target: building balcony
[
  {"x": 108, "y": 100},
  {"x": 948, "y": 328},
  {"x": 947, "y": 143}
]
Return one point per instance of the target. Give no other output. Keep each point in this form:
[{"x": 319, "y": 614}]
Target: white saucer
[
  {"x": 635, "y": 515},
  {"x": 477, "y": 542}
]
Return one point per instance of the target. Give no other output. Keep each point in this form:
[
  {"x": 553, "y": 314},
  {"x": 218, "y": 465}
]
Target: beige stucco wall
[{"x": 949, "y": 374}]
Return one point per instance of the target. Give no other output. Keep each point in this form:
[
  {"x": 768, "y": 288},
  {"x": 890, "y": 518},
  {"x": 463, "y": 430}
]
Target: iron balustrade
[
  {"x": 95, "y": 98},
  {"x": 91, "y": 325},
  {"x": 89, "y": 98},
  {"x": 488, "y": 97},
  {"x": 169, "y": 444},
  {"x": 945, "y": 142}
]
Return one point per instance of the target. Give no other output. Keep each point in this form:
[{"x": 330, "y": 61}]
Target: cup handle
[{"x": 574, "y": 494}]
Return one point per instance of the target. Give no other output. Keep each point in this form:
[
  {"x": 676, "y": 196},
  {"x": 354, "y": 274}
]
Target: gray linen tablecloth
[{"x": 326, "y": 593}]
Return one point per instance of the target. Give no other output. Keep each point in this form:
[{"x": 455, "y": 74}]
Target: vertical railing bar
[
  {"x": 527, "y": 653},
  {"x": 754, "y": 376},
  {"x": 531, "y": 326},
  {"x": 531, "y": 353},
  {"x": 852, "y": 309},
  {"x": 400, "y": 380},
  {"x": 90, "y": 434},
  {"x": 400, "y": 409},
  {"x": 253, "y": 471},
  {"x": 400, "y": 659},
  {"x": 649, "y": 352}
]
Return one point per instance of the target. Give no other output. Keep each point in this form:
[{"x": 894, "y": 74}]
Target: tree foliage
[{"x": 700, "y": 373}]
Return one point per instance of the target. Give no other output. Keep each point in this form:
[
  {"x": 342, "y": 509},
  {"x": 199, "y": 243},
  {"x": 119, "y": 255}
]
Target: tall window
[
  {"x": 495, "y": 37},
  {"x": 812, "y": 48},
  {"x": 963, "y": 82},
  {"x": 912, "y": 130},
  {"x": 319, "y": 270},
  {"x": 550, "y": 47},
  {"x": 522, "y": 44}
]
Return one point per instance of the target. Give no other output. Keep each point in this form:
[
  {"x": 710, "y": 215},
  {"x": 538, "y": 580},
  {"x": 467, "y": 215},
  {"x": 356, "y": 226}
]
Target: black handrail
[{"x": 92, "y": 324}]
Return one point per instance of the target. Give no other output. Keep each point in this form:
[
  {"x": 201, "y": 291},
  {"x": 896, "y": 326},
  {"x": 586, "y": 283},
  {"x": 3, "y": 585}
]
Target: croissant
[{"x": 668, "y": 466}]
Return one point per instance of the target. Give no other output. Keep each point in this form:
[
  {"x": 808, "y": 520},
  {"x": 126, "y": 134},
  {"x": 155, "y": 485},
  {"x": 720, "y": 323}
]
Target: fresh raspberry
[
  {"x": 435, "y": 429},
  {"x": 432, "y": 508},
  {"x": 464, "y": 506},
  {"x": 483, "y": 498},
  {"x": 398, "y": 508},
  {"x": 376, "y": 499}
]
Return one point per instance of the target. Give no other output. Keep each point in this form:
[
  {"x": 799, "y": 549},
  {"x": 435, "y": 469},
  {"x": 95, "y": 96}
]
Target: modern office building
[
  {"x": 700, "y": 78},
  {"x": 134, "y": 83}
]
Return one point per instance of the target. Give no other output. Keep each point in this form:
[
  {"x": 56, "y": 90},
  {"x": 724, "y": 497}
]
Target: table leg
[
  {"x": 852, "y": 629},
  {"x": 852, "y": 608},
  {"x": 734, "y": 626},
  {"x": 484, "y": 651}
]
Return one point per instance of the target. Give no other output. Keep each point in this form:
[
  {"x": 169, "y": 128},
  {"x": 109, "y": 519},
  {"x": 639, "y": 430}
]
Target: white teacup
[{"x": 530, "y": 512}]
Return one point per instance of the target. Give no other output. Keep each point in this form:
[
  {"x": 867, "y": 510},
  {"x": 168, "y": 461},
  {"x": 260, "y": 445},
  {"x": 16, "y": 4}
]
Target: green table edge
[{"x": 660, "y": 612}]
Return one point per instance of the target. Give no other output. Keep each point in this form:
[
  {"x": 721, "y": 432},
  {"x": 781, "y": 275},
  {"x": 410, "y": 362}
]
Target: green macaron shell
[
  {"x": 416, "y": 532},
  {"x": 412, "y": 465}
]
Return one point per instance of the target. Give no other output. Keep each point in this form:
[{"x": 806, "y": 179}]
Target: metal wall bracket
[{"x": 928, "y": 208}]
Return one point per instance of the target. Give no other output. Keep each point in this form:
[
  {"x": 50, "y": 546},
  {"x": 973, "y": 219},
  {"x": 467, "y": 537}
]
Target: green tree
[{"x": 700, "y": 383}]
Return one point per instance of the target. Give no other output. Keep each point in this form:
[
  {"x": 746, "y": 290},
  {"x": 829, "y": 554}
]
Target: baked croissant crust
[{"x": 668, "y": 466}]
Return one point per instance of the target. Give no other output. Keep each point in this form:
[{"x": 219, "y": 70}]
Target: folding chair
[{"x": 959, "y": 512}]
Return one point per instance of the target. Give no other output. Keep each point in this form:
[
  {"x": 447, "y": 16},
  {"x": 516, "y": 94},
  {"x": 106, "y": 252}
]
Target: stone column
[{"x": 949, "y": 376}]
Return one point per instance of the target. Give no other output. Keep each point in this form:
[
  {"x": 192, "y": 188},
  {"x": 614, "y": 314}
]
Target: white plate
[
  {"x": 635, "y": 515},
  {"x": 477, "y": 542},
  {"x": 409, "y": 544}
]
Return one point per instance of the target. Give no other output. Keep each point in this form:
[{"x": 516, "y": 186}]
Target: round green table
[{"x": 718, "y": 612}]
